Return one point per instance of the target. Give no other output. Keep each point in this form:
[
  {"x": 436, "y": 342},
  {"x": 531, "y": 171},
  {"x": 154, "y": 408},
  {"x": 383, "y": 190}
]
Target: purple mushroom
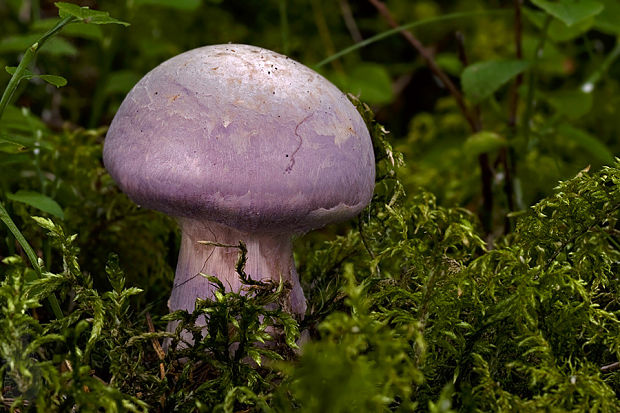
[{"x": 240, "y": 143}]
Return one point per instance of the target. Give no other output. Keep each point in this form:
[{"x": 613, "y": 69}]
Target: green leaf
[
  {"x": 98, "y": 321},
  {"x": 132, "y": 291},
  {"x": 14, "y": 159},
  {"x": 408, "y": 26},
  {"x": 21, "y": 120},
  {"x": 450, "y": 63},
  {"x": 552, "y": 61},
  {"x": 83, "y": 30},
  {"x": 42, "y": 340},
  {"x": 560, "y": 32},
  {"x": 255, "y": 355},
  {"x": 536, "y": 17},
  {"x": 121, "y": 82},
  {"x": 609, "y": 20},
  {"x": 481, "y": 80},
  {"x": 46, "y": 223},
  {"x": 54, "y": 80},
  {"x": 587, "y": 142},
  {"x": 572, "y": 104},
  {"x": 39, "y": 201},
  {"x": 86, "y": 15},
  {"x": 16, "y": 44},
  {"x": 11, "y": 147},
  {"x": 55, "y": 46},
  {"x": 483, "y": 142},
  {"x": 571, "y": 11},
  {"x": 77, "y": 29},
  {"x": 370, "y": 81},
  {"x": 10, "y": 144},
  {"x": 173, "y": 4},
  {"x": 43, "y": 287}
]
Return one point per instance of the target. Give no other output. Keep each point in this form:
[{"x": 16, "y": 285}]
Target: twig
[
  {"x": 365, "y": 243},
  {"x": 349, "y": 21},
  {"x": 32, "y": 257},
  {"x": 430, "y": 61},
  {"x": 411, "y": 25},
  {"x": 611, "y": 367},
  {"x": 588, "y": 85},
  {"x": 472, "y": 117},
  {"x": 218, "y": 244},
  {"x": 156, "y": 346}
]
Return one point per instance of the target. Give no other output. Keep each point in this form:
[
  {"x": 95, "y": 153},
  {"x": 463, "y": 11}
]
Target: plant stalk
[
  {"x": 32, "y": 257},
  {"x": 28, "y": 57},
  {"x": 212, "y": 249}
]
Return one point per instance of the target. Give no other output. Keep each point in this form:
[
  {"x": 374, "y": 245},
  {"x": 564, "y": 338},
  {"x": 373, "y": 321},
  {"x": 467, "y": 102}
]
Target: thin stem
[
  {"x": 156, "y": 346},
  {"x": 349, "y": 21},
  {"x": 324, "y": 34},
  {"x": 514, "y": 98},
  {"x": 109, "y": 52},
  {"x": 35, "y": 13},
  {"x": 611, "y": 367},
  {"x": 32, "y": 257},
  {"x": 532, "y": 81},
  {"x": 391, "y": 32},
  {"x": 430, "y": 61},
  {"x": 366, "y": 245},
  {"x": 486, "y": 172},
  {"x": 8, "y": 94},
  {"x": 29, "y": 56},
  {"x": 507, "y": 155},
  {"x": 284, "y": 27},
  {"x": 486, "y": 178},
  {"x": 462, "y": 53},
  {"x": 592, "y": 80}
]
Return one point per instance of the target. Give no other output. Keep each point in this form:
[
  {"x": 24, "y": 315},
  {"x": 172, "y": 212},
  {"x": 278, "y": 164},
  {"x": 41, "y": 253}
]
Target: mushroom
[{"x": 240, "y": 143}]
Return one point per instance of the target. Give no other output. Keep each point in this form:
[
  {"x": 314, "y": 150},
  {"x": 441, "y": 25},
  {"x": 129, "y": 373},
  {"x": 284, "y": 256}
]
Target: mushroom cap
[{"x": 242, "y": 136}]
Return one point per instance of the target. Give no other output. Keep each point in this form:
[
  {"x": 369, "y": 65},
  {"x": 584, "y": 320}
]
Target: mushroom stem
[{"x": 269, "y": 256}]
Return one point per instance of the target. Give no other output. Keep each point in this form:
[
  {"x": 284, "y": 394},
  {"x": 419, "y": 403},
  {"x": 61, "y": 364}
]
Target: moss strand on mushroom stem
[{"x": 209, "y": 248}]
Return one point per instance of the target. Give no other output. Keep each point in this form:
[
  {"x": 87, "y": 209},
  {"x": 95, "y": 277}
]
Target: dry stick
[
  {"x": 430, "y": 61},
  {"x": 349, "y": 21},
  {"x": 611, "y": 367},
  {"x": 473, "y": 118},
  {"x": 158, "y": 349}
]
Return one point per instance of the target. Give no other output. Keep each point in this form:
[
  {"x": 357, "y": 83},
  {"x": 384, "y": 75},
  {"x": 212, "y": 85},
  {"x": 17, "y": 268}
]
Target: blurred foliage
[{"x": 417, "y": 305}]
